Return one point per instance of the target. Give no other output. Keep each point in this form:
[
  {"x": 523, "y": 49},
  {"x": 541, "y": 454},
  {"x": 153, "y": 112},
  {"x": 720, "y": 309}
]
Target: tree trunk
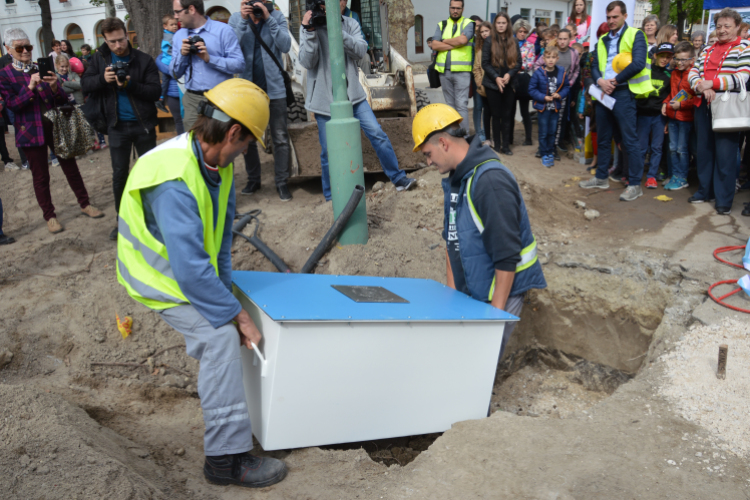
[
  {"x": 47, "y": 35},
  {"x": 109, "y": 8},
  {"x": 400, "y": 20},
  {"x": 664, "y": 12},
  {"x": 146, "y": 16}
]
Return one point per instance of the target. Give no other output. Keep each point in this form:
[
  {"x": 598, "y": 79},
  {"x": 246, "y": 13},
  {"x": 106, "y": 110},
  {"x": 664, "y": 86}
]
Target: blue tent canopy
[{"x": 720, "y": 4}]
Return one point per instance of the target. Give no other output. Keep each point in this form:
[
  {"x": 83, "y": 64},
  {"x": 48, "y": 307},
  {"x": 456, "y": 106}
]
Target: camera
[
  {"x": 257, "y": 11},
  {"x": 318, "y": 12},
  {"x": 121, "y": 69},
  {"x": 192, "y": 41}
]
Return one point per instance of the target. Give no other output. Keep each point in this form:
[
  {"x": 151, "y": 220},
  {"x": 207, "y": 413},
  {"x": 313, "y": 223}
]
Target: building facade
[{"x": 642, "y": 9}]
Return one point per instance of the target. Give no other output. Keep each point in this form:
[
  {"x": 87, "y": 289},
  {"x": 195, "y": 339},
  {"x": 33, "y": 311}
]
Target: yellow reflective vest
[
  {"x": 640, "y": 84},
  {"x": 142, "y": 261},
  {"x": 461, "y": 56}
]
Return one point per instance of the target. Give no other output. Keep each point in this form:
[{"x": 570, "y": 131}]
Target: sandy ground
[{"x": 623, "y": 288}]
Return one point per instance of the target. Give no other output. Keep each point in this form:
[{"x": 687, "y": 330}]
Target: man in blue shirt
[{"x": 218, "y": 56}]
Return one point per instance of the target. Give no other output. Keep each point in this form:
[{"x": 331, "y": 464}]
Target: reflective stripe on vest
[
  {"x": 640, "y": 84},
  {"x": 528, "y": 254},
  {"x": 461, "y": 56},
  {"x": 142, "y": 261}
]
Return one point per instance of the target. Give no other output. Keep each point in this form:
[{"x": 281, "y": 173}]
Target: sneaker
[
  {"x": 550, "y": 162},
  {"x": 506, "y": 151},
  {"x": 695, "y": 199},
  {"x": 103, "y": 145},
  {"x": 113, "y": 234},
  {"x": 660, "y": 176},
  {"x": 594, "y": 183},
  {"x": 746, "y": 210},
  {"x": 284, "y": 193},
  {"x": 160, "y": 106},
  {"x": 557, "y": 157},
  {"x": 676, "y": 183},
  {"x": 251, "y": 188},
  {"x": 55, "y": 162},
  {"x": 631, "y": 193},
  {"x": 538, "y": 153},
  {"x": 11, "y": 166},
  {"x": 527, "y": 142},
  {"x": 723, "y": 210},
  {"x": 745, "y": 186},
  {"x": 624, "y": 181},
  {"x": 95, "y": 147},
  {"x": 563, "y": 147},
  {"x": 54, "y": 226},
  {"x": 25, "y": 166},
  {"x": 614, "y": 178},
  {"x": 6, "y": 240},
  {"x": 405, "y": 184},
  {"x": 651, "y": 183},
  {"x": 245, "y": 470},
  {"x": 92, "y": 212}
]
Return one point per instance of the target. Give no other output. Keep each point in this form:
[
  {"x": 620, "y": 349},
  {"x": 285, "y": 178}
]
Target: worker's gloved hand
[{"x": 249, "y": 333}]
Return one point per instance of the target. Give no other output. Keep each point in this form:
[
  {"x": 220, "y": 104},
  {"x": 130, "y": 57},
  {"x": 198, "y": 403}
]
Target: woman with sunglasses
[{"x": 29, "y": 95}]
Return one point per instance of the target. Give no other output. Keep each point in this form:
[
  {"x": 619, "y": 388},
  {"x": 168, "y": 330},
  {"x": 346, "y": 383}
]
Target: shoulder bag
[
  {"x": 290, "y": 100},
  {"x": 71, "y": 133},
  {"x": 731, "y": 110}
]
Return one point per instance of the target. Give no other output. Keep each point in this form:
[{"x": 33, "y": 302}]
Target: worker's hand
[
  {"x": 674, "y": 105},
  {"x": 202, "y": 51},
  {"x": 247, "y": 330},
  {"x": 306, "y": 20},
  {"x": 606, "y": 85},
  {"x": 709, "y": 95},
  {"x": 549, "y": 98},
  {"x": 109, "y": 75},
  {"x": 704, "y": 85},
  {"x": 185, "y": 49}
]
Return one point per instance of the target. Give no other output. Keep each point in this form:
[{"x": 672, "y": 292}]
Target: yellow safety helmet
[
  {"x": 621, "y": 61},
  {"x": 430, "y": 119},
  {"x": 245, "y": 102}
]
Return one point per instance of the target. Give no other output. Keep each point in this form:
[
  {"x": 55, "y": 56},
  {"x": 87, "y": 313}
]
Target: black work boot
[{"x": 245, "y": 470}]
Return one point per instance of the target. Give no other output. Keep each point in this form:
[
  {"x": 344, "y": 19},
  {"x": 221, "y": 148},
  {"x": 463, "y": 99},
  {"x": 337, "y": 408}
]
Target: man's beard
[{"x": 455, "y": 17}]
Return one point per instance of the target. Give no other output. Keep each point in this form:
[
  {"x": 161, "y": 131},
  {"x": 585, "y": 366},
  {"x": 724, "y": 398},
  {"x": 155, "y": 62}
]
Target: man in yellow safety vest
[
  {"x": 174, "y": 256},
  {"x": 454, "y": 42},
  {"x": 624, "y": 86}
]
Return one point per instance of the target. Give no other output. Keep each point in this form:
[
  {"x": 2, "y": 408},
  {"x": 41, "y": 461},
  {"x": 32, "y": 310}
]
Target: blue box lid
[{"x": 311, "y": 297}]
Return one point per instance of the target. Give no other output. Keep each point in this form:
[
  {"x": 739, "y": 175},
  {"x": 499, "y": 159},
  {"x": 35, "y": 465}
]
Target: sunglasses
[{"x": 21, "y": 48}]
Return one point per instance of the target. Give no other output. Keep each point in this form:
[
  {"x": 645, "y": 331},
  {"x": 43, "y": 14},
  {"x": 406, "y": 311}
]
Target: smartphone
[{"x": 45, "y": 64}]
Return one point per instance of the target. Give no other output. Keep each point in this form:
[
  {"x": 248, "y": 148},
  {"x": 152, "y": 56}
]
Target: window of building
[
  {"x": 526, "y": 14},
  {"x": 219, "y": 14},
  {"x": 419, "y": 35},
  {"x": 559, "y": 18},
  {"x": 74, "y": 35}
]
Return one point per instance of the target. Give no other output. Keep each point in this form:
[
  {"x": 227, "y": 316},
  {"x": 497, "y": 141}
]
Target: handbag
[
  {"x": 731, "y": 110},
  {"x": 290, "y": 99},
  {"x": 71, "y": 133},
  {"x": 433, "y": 76},
  {"x": 95, "y": 111}
]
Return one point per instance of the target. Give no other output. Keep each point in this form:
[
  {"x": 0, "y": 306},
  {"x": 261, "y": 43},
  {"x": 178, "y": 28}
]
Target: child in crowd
[
  {"x": 170, "y": 27},
  {"x": 70, "y": 81},
  {"x": 679, "y": 107},
  {"x": 744, "y": 28},
  {"x": 548, "y": 88},
  {"x": 650, "y": 120},
  {"x": 86, "y": 52}
]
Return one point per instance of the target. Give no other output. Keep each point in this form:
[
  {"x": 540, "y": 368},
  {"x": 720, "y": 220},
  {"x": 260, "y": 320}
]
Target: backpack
[{"x": 432, "y": 74}]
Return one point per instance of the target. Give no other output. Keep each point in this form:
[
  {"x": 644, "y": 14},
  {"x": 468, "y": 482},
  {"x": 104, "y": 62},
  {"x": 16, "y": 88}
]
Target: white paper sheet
[{"x": 607, "y": 100}]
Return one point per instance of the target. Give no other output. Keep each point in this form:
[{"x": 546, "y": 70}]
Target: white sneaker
[
  {"x": 25, "y": 166},
  {"x": 55, "y": 162},
  {"x": 11, "y": 166}
]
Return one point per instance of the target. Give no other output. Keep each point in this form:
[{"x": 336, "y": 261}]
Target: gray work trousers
[
  {"x": 456, "y": 93},
  {"x": 281, "y": 149},
  {"x": 513, "y": 306},
  {"x": 190, "y": 103},
  {"x": 220, "y": 386}
]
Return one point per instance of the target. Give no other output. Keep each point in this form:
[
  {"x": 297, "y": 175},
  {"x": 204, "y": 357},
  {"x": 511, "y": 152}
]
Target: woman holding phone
[{"x": 29, "y": 95}]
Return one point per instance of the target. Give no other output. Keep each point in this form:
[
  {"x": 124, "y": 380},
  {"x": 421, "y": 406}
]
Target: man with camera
[
  {"x": 263, "y": 58},
  {"x": 205, "y": 52},
  {"x": 314, "y": 56},
  {"x": 129, "y": 81}
]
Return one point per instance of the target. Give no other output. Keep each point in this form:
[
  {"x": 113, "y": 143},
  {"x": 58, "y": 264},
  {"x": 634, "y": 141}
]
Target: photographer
[
  {"x": 204, "y": 51},
  {"x": 314, "y": 56},
  {"x": 129, "y": 80},
  {"x": 255, "y": 18}
]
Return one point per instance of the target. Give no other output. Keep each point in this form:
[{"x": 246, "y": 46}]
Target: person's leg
[
  {"x": 324, "y": 175},
  {"x": 102, "y": 141},
  {"x": 487, "y": 118},
  {"x": 222, "y": 395},
  {"x": 657, "y": 143},
  {"x": 477, "y": 115},
  {"x": 508, "y": 98},
  {"x": 379, "y": 140},
  {"x": 280, "y": 138},
  {"x": 252, "y": 167},
  {"x": 461, "y": 83},
  {"x": 120, "y": 145},
  {"x": 725, "y": 173},
  {"x": 446, "y": 83},
  {"x": 706, "y": 153},
  {"x": 625, "y": 114},
  {"x": 4, "y": 155},
  {"x": 495, "y": 104},
  {"x": 70, "y": 169},
  {"x": 190, "y": 103},
  {"x": 561, "y": 121},
  {"x": 674, "y": 148},
  {"x": 143, "y": 142},
  {"x": 523, "y": 103},
  {"x": 684, "y": 132},
  {"x": 605, "y": 123},
  {"x": 643, "y": 126},
  {"x": 545, "y": 139},
  {"x": 514, "y": 306},
  {"x": 173, "y": 103},
  {"x": 37, "y": 157}
]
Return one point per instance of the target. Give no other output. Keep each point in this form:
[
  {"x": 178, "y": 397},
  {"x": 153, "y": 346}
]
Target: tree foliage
[{"x": 682, "y": 13}]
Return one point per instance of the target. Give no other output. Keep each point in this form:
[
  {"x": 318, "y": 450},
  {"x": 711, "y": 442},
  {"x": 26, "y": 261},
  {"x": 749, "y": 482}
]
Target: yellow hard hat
[
  {"x": 430, "y": 119},
  {"x": 621, "y": 61},
  {"x": 245, "y": 102}
]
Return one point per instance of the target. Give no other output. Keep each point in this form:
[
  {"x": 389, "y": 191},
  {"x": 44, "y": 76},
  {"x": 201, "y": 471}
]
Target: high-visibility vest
[
  {"x": 460, "y": 57},
  {"x": 142, "y": 261},
  {"x": 640, "y": 84}
]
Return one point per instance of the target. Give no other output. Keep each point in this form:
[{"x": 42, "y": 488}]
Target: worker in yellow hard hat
[
  {"x": 491, "y": 251},
  {"x": 173, "y": 256}
]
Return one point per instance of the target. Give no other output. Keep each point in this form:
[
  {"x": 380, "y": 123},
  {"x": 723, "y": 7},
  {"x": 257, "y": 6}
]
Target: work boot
[
  {"x": 54, "y": 226},
  {"x": 245, "y": 470},
  {"x": 92, "y": 212},
  {"x": 631, "y": 193},
  {"x": 284, "y": 193},
  {"x": 6, "y": 240},
  {"x": 594, "y": 183},
  {"x": 251, "y": 188}
]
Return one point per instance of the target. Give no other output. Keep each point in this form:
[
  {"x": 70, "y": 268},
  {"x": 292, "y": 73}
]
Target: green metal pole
[
  {"x": 487, "y": 17},
  {"x": 345, "y": 163}
]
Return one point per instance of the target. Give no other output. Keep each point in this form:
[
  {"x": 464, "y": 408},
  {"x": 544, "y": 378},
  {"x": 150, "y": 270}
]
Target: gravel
[{"x": 720, "y": 406}]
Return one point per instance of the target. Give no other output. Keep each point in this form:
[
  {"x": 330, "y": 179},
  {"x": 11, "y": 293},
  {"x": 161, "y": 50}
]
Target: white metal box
[{"x": 337, "y": 370}]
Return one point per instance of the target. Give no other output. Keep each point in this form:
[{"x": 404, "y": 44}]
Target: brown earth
[{"x": 622, "y": 288}]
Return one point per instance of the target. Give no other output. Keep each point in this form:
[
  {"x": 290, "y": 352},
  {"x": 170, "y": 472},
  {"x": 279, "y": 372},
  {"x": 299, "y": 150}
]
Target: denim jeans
[
  {"x": 122, "y": 138},
  {"x": 679, "y": 137},
  {"x": 478, "y": 125},
  {"x": 623, "y": 115},
  {"x": 374, "y": 132},
  {"x": 717, "y": 159},
  {"x": 281, "y": 149},
  {"x": 651, "y": 126},
  {"x": 547, "y": 121}
]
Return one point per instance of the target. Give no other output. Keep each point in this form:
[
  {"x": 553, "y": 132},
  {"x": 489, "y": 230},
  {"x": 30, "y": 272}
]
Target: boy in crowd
[
  {"x": 650, "y": 120},
  {"x": 86, "y": 52},
  {"x": 548, "y": 88},
  {"x": 169, "y": 26},
  {"x": 679, "y": 107}
]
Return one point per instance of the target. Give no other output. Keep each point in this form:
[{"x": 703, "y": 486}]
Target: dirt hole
[{"x": 400, "y": 451}]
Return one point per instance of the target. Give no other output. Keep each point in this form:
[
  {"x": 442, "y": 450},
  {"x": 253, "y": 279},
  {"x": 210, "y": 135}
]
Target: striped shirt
[{"x": 735, "y": 65}]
